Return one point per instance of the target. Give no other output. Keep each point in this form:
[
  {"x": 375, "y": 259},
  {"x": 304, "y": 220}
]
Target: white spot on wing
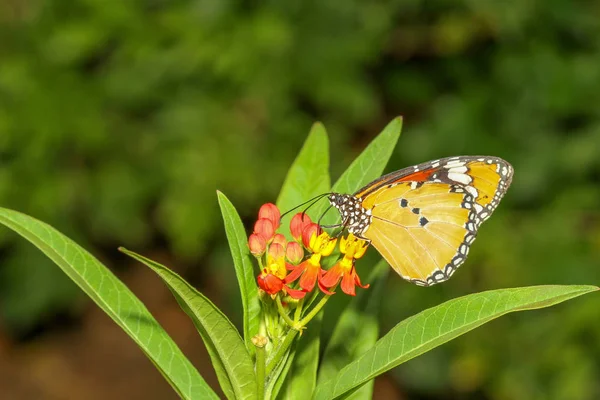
[
  {"x": 472, "y": 191},
  {"x": 454, "y": 163},
  {"x": 458, "y": 170},
  {"x": 460, "y": 178}
]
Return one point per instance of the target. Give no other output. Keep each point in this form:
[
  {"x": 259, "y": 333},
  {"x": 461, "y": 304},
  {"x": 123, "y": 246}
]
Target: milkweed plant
[{"x": 287, "y": 270}]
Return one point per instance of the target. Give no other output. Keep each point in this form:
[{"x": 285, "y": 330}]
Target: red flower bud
[
  {"x": 280, "y": 239},
  {"x": 265, "y": 228},
  {"x": 294, "y": 253},
  {"x": 276, "y": 251},
  {"x": 269, "y": 283},
  {"x": 270, "y": 212},
  {"x": 308, "y": 232},
  {"x": 257, "y": 244},
  {"x": 297, "y": 225}
]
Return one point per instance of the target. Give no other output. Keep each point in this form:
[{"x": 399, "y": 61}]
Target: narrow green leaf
[
  {"x": 116, "y": 300},
  {"x": 435, "y": 326},
  {"x": 244, "y": 270},
  {"x": 309, "y": 174},
  {"x": 356, "y": 331},
  {"x": 367, "y": 167},
  {"x": 280, "y": 374},
  {"x": 227, "y": 351},
  {"x": 302, "y": 377},
  {"x": 370, "y": 164}
]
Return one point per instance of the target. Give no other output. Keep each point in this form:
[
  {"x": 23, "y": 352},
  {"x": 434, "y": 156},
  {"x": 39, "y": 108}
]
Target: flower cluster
[{"x": 299, "y": 262}]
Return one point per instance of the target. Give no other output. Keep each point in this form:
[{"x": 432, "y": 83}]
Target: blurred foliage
[{"x": 118, "y": 120}]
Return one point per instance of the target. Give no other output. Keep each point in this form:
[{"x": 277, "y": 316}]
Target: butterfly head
[{"x": 354, "y": 216}]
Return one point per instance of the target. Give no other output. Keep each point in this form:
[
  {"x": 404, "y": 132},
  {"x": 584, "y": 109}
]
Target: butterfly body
[{"x": 423, "y": 219}]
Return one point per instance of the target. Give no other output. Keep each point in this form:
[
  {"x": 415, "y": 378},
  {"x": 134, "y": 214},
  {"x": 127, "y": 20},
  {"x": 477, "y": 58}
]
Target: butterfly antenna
[
  {"x": 313, "y": 200},
  {"x": 338, "y": 234},
  {"x": 313, "y": 203},
  {"x": 322, "y": 215}
]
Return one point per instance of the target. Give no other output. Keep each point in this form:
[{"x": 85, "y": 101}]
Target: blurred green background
[{"x": 120, "y": 119}]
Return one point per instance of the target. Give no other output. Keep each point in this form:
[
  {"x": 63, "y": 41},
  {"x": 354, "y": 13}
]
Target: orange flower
[
  {"x": 269, "y": 283},
  {"x": 271, "y": 279},
  {"x": 271, "y": 212},
  {"x": 310, "y": 271},
  {"x": 353, "y": 249}
]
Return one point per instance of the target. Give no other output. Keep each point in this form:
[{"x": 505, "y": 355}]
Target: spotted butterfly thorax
[{"x": 423, "y": 219}]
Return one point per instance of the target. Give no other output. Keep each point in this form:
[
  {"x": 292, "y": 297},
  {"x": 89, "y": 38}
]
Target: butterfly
[{"x": 423, "y": 219}]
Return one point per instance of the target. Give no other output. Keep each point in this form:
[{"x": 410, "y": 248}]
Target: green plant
[{"x": 278, "y": 354}]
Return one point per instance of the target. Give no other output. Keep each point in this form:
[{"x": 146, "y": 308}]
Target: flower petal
[
  {"x": 296, "y": 272},
  {"x": 332, "y": 276},
  {"x": 324, "y": 289},
  {"x": 357, "y": 280},
  {"x": 309, "y": 278},
  {"x": 348, "y": 285},
  {"x": 269, "y": 283},
  {"x": 294, "y": 293}
]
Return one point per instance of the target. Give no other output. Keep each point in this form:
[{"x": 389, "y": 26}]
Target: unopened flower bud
[
  {"x": 270, "y": 212},
  {"x": 308, "y": 232},
  {"x": 265, "y": 228},
  {"x": 257, "y": 244},
  {"x": 297, "y": 225},
  {"x": 280, "y": 239},
  {"x": 294, "y": 253},
  {"x": 276, "y": 251}
]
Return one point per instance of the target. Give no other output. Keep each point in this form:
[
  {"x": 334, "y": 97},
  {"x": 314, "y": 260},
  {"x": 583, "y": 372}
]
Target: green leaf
[
  {"x": 116, "y": 300},
  {"x": 280, "y": 374},
  {"x": 358, "y": 321},
  {"x": 309, "y": 174},
  {"x": 370, "y": 164},
  {"x": 435, "y": 326},
  {"x": 367, "y": 167},
  {"x": 227, "y": 351},
  {"x": 302, "y": 377},
  {"x": 244, "y": 269}
]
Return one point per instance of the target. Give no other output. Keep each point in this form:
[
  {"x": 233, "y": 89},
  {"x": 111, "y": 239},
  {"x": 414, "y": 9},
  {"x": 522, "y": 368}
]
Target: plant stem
[
  {"x": 259, "y": 343},
  {"x": 284, "y": 314},
  {"x": 298, "y": 312},
  {"x": 285, "y": 345},
  {"x": 314, "y": 311}
]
